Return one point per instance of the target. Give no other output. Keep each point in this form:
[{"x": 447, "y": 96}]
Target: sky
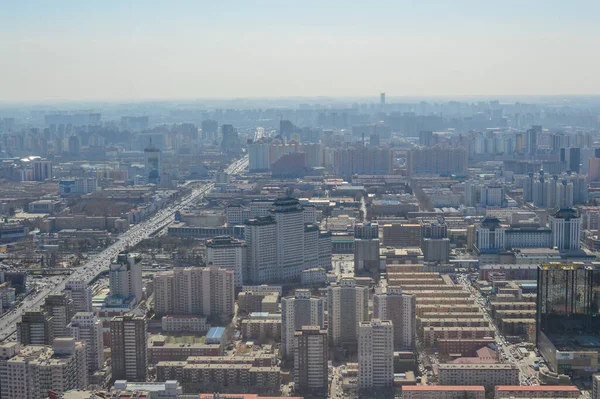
[{"x": 149, "y": 50}]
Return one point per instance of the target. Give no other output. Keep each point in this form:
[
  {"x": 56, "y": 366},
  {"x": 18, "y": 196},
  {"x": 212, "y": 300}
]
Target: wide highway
[{"x": 101, "y": 261}]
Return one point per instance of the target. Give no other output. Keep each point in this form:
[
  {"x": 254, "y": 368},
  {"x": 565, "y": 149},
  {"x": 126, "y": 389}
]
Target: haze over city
[{"x": 142, "y": 50}]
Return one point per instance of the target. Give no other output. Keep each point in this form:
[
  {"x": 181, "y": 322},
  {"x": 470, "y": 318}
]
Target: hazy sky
[{"x": 145, "y": 49}]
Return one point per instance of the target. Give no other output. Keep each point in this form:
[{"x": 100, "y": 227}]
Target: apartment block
[
  {"x": 204, "y": 291},
  {"x": 310, "y": 359},
  {"x": 488, "y": 375},
  {"x": 375, "y": 354}
]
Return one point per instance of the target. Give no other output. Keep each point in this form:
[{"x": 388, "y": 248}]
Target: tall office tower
[
  {"x": 74, "y": 146},
  {"x": 310, "y": 359},
  {"x": 375, "y": 354},
  {"x": 81, "y": 293},
  {"x": 325, "y": 249},
  {"x": 125, "y": 277},
  {"x": 311, "y": 246},
  {"x": 289, "y": 224},
  {"x": 531, "y": 139},
  {"x": 426, "y": 138},
  {"x": 87, "y": 327},
  {"x": 261, "y": 241},
  {"x": 42, "y": 170},
  {"x": 228, "y": 253},
  {"x": 210, "y": 129},
  {"x": 574, "y": 159},
  {"x": 60, "y": 307},
  {"x": 231, "y": 139},
  {"x": 128, "y": 341},
  {"x": 382, "y": 99},
  {"x": 528, "y": 188},
  {"x": 560, "y": 140},
  {"x": 152, "y": 163},
  {"x": 566, "y": 229},
  {"x": 401, "y": 310},
  {"x": 567, "y": 308},
  {"x": 259, "y": 159},
  {"x": 286, "y": 129},
  {"x": 596, "y": 386},
  {"x": 472, "y": 191},
  {"x": 205, "y": 291},
  {"x": 366, "y": 248},
  {"x": 38, "y": 370},
  {"x": 301, "y": 310},
  {"x": 35, "y": 328},
  {"x": 347, "y": 305}
]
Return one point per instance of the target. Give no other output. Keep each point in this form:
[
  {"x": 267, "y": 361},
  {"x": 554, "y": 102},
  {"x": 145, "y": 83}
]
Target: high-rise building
[
  {"x": 125, "y": 277},
  {"x": 366, "y": 248},
  {"x": 289, "y": 223},
  {"x": 35, "y": 328},
  {"x": 310, "y": 359},
  {"x": 493, "y": 195},
  {"x": 401, "y": 310},
  {"x": 286, "y": 129},
  {"x": 205, "y": 291},
  {"x": 60, "y": 307},
  {"x": 261, "y": 241},
  {"x": 210, "y": 129},
  {"x": 259, "y": 159},
  {"x": 38, "y": 370},
  {"x": 152, "y": 163},
  {"x": 231, "y": 139},
  {"x": 42, "y": 170},
  {"x": 347, "y": 305},
  {"x": 575, "y": 159},
  {"x": 382, "y": 99},
  {"x": 568, "y": 298},
  {"x": 81, "y": 293},
  {"x": 436, "y": 160},
  {"x": 531, "y": 139},
  {"x": 228, "y": 253},
  {"x": 566, "y": 229},
  {"x": 74, "y": 146},
  {"x": 128, "y": 341},
  {"x": 87, "y": 327},
  {"x": 375, "y": 354},
  {"x": 596, "y": 386},
  {"x": 361, "y": 159},
  {"x": 301, "y": 310}
]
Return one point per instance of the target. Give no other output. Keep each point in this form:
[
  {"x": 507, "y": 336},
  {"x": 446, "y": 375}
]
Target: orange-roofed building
[{"x": 443, "y": 392}]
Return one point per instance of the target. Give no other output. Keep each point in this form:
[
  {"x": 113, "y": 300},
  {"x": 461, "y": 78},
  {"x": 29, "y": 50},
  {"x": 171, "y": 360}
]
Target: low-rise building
[
  {"x": 537, "y": 391},
  {"x": 187, "y": 323},
  {"x": 487, "y": 374},
  {"x": 443, "y": 392}
]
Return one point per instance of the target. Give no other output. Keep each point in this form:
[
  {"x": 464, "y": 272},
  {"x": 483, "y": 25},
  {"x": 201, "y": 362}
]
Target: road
[
  {"x": 101, "y": 261},
  {"x": 526, "y": 377}
]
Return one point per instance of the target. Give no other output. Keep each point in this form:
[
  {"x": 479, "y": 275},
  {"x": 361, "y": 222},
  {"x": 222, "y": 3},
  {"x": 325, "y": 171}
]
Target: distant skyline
[{"x": 155, "y": 50}]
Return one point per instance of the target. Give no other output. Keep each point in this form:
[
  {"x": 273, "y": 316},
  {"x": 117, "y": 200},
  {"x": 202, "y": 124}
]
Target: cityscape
[{"x": 247, "y": 244}]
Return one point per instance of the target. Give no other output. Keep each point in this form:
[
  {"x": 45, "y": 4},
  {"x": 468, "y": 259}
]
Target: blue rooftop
[{"x": 215, "y": 333}]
